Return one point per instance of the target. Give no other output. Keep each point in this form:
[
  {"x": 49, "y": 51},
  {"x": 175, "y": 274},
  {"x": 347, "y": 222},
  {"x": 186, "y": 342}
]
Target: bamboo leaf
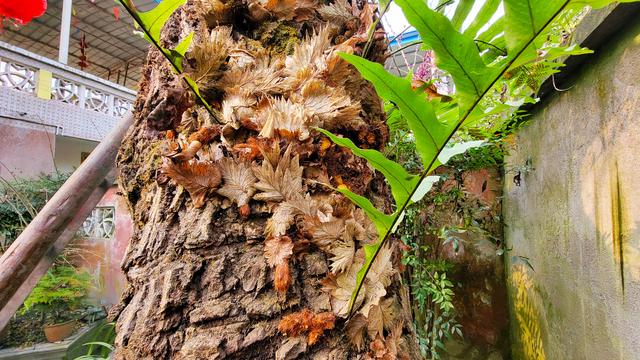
[
  {"x": 455, "y": 53},
  {"x": 402, "y": 183}
]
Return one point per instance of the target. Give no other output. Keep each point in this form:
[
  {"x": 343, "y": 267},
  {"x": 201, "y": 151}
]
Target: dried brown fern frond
[
  {"x": 215, "y": 12},
  {"x": 238, "y": 181},
  {"x": 343, "y": 252},
  {"x": 336, "y": 70},
  {"x": 330, "y": 107},
  {"x": 277, "y": 250},
  {"x": 281, "y": 9},
  {"x": 388, "y": 348},
  {"x": 378, "y": 279},
  {"x": 338, "y": 13},
  {"x": 282, "y": 218},
  {"x": 199, "y": 178},
  {"x": 298, "y": 10},
  {"x": 210, "y": 55},
  {"x": 237, "y": 106},
  {"x": 305, "y": 321},
  {"x": 342, "y": 286},
  {"x": 305, "y": 10},
  {"x": 284, "y": 119},
  {"x": 326, "y": 234},
  {"x": 281, "y": 181},
  {"x": 308, "y": 53},
  {"x": 355, "y": 330},
  {"x": 260, "y": 77},
  {"x": 205, "y": 135},
  {"x": 248, "y": 150}
]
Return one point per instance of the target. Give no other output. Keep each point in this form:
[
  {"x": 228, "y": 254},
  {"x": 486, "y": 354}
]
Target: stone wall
[{"x": 573, "y": 221}]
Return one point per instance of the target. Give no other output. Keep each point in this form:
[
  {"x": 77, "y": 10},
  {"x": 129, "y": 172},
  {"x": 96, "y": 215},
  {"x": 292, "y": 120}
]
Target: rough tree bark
[{"x": 238, "y": 250}]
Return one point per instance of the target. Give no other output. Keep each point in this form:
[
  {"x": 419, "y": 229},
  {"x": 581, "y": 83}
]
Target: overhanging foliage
[{"x": 522, "y": 31}]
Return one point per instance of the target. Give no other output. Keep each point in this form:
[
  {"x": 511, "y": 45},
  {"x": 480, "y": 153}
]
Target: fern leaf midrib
[
  {"x": 425, "y": 172},
  {"x": 407, "y": 106}
]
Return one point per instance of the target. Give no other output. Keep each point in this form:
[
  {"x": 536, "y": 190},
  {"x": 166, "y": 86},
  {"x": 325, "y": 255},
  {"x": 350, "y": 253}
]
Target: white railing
[{"x": 30, "y": 73}]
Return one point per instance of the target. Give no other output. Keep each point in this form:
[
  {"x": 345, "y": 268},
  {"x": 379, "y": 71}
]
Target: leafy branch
[{"x": 524, "y": 25}]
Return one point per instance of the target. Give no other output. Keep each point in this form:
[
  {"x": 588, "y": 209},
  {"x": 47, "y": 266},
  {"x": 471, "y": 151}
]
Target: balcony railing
[{"x": 36, "y": 79}]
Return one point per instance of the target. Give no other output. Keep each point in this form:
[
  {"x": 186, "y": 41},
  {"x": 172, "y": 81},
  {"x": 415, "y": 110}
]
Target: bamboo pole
[{"x": 58, "y": 217}]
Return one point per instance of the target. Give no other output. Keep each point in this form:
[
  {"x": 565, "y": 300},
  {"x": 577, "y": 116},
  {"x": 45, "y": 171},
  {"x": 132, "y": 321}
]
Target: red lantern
[{"x": 22, "y": 11}]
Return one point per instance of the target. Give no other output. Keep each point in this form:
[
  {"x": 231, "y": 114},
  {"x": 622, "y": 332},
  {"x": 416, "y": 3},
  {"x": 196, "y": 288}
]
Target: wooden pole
[
  {"x": 39, "y": 237},
  {"x": 45, "y": 263}
]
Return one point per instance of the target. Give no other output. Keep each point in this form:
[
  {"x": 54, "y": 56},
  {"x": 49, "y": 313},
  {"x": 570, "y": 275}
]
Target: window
[{"x": 100, "y": 223}]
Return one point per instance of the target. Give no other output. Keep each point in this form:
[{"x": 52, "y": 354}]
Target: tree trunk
[{"x": 239, "y": 251}]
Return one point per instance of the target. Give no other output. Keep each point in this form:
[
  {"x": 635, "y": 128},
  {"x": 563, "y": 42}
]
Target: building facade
[{"x": 51, "y": 117}]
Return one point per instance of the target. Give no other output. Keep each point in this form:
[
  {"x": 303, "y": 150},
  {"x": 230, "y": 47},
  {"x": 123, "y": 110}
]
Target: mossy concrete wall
[{"x": 576, "y": 215}]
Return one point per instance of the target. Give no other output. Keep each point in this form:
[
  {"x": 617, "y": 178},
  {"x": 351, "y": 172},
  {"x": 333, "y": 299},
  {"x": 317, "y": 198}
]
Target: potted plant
[{"x": 57, "y": 296}]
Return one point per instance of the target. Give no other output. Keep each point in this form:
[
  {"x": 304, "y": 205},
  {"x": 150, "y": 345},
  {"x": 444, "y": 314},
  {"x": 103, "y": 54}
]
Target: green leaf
[
  {"x": 597, "y": 4},
  {"x": 383, "y": 4},
  {"x": 395, "y": 120},
  {"x": 153, "y": 21},
  {"x": 370, "y": 253},
  {"x": 455, "y": 53},
  {"x": 557, "y": 52},
  {"x": 524, "y": 19},
  {"x": 458, "y": 148},
  {"x": 402, "y": 183},
  {"x": 421, "y": 118},
  {"x": 492, "y": 31},
  {"x": 451, "y": 151},
  {"x": 462, "y": 11},
  {"x": 458, "y": 55},
  {"x": 108, "y": 346},
  {"x": 192, "y": 84},
  {"x": 381, "y": 221},
  {"x": 177, "y": 55},
  {"x": 483, "y": 17},
  {"x": 425, "y": 185}
]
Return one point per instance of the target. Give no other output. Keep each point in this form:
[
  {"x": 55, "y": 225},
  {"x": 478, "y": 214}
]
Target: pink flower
[
  {"x": 22, "y": 11},
  {"x": 426, "y": 69}
]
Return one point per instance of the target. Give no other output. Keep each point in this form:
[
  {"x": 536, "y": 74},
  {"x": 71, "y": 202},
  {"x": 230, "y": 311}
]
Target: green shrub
[
  {"x": 61, "y": 290},
  {"x": 20, "y": 201}
]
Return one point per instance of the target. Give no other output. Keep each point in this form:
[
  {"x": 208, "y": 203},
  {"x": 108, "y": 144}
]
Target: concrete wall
[
  {"x": 20, "y": 138},
  {"x": 69, "y": 151},
  {"x": 576, "y": 215},
  {"x": 103, "y": 255}
]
